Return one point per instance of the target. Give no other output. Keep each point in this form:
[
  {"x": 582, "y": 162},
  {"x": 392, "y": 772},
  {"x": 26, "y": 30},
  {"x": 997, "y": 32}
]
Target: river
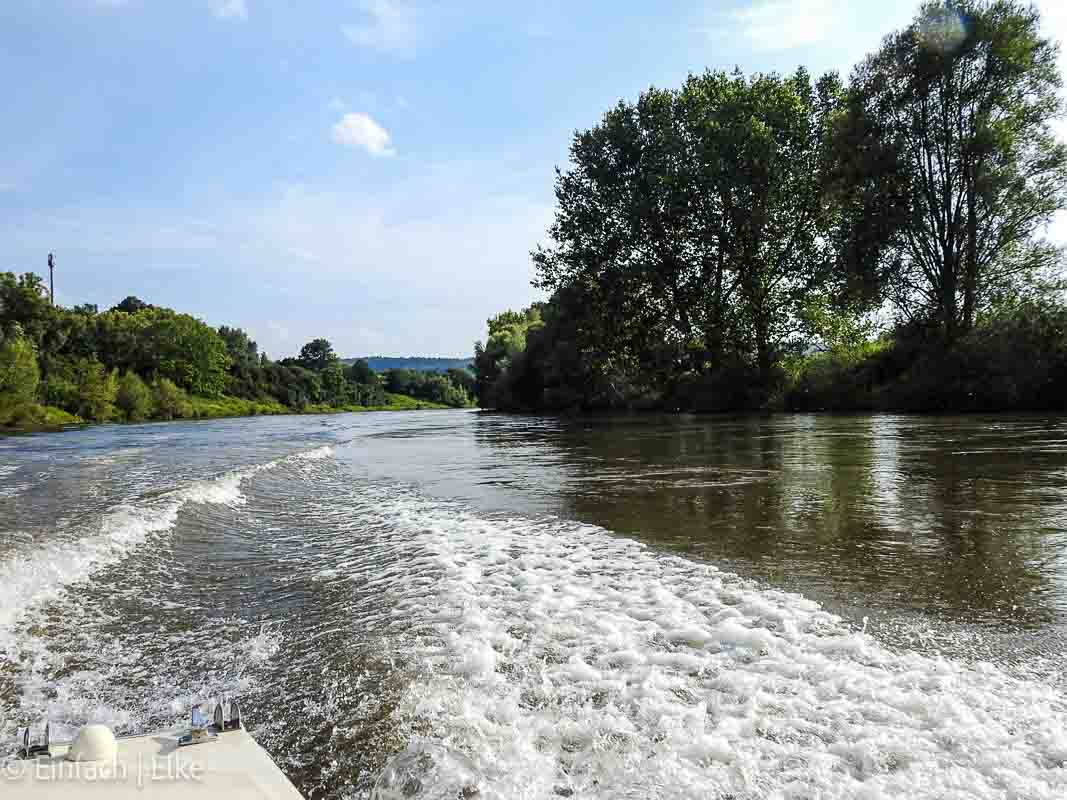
[{"x": 640, "y": 607}]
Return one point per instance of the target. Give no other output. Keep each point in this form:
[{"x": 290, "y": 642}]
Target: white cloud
[
  {"x": 359, "y": 130},
  {"x": 786, "y": 24},
  {"x": 389, "y": 28},
  {"x": 230, "y": 9}
]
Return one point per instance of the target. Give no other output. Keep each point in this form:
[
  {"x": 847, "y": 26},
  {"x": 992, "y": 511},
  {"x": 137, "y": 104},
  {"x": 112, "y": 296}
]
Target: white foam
[
  {"x": 34, "y": 576},
  {"x": 567, "y": 660},
  {"x": 40, "y": 574},
  {"x": 225, "y": 490},
  {"x": 12, "y": 490},
  {"x": 319, "y": 453}
]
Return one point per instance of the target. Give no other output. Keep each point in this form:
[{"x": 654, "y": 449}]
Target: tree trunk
[
  {"x": 949, "y": 285},
  {"x": 763, "y": 348},
  {"x": 714, "y": 337},
  {"x": 970, "y": 277}
]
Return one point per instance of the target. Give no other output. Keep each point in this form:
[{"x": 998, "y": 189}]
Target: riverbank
[
  {"x": 1013, "y": 361},
  {"x": 32, "y": 417}
]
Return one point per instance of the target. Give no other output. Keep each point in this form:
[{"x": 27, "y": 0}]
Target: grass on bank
[
  {"x": 33, "y": 416},
  {"x": 397, "y": 402}
]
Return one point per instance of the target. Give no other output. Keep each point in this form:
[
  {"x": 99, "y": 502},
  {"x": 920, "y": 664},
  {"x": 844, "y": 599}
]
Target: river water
[{"x": 648, "y": 607}]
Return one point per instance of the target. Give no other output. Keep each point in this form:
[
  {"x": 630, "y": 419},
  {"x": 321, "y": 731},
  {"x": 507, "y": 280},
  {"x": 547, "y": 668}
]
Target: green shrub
[
  {"x": 96, "y": 390},
  {"x": 133, "y": 398},
  {"x": 168, "y": 401},
  {"x": 27, "y": 416},
  {"x": 60, "y": 391},
  {"x": 841, "y": 380},
  {"x": 19, "y": 373}
]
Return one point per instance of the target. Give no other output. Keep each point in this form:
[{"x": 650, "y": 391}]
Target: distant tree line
[
  {"x": 416, "y": 363},
  {"x": 770, "y": 241},
  {"x": 138, "y": 361}
]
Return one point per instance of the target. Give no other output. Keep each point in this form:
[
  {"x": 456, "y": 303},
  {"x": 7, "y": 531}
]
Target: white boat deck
[{"x": 231, "y": 767}]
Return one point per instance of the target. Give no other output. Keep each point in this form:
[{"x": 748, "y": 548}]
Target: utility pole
[{"x": 51, "y": 279}]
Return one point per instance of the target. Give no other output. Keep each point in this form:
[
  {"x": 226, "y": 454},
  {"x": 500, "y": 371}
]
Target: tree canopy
[
  {"x": 947, "y": 154},
  {"x": 139, "y": 361},
  {"x": 317, "y": 354},
  {"x": 754, "y": 241},
  {"x": 694, "y": 221}
]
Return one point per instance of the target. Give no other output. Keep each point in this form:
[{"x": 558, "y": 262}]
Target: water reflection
[{"x": 961, "y": 518}]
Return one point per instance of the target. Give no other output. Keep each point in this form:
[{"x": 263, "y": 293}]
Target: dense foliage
[
  {"x": 138, "y": 361},
  {"x": 743, "y": 242},
  {"x": 448, "y": 389}
]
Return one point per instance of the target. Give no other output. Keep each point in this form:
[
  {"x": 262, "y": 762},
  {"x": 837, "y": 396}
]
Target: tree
[
  {"x": 19, "y": 374},
  {"x": 948, "y": 168},
  {"x": 24, "y": 301},
  {"x": 133, "y": 398},
  {"x": 169, "y": 401},
  {"x": 243, "y": 351},
  {"x": 132, "y": 305},
  {"x": 762, "y": 211},
  {"x": 159, "y": 341},
  {"x": 96, "y": 390},
  {"x": 693, "y": 222},
  {"x": 462, "y": 379},
  {"x": 369, "y": 394},
  {"x": 541, "y": 363},
  {"x": 317, "y": 355},
  {"x": 360, "y": 372},
  {"x": 506, "y": 341},
  {"x": 506, "y": 319},
  {"x": 334, "y": 385}
]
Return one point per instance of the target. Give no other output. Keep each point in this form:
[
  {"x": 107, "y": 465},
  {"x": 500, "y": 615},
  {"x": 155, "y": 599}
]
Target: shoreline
[{"x": 204, "y": 408}]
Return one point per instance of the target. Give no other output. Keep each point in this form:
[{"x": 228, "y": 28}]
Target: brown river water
[{"x": 653, "y": 606}]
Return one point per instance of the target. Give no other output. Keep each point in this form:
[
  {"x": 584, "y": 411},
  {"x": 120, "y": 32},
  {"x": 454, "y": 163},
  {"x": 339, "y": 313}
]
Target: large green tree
[
  {"x": 694, "y": 221},
  {"x": 948, "y": 169},
  {"x": 317, "y": 354}
]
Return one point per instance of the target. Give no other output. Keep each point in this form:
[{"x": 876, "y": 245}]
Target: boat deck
[{"x": 230, "y": 767}]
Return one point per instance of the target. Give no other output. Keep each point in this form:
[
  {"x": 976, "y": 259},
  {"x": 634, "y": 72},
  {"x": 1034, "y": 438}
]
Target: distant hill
[{"x": 382, "y": 363}]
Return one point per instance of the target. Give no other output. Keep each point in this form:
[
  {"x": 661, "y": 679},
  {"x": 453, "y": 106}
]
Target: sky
[{"x": 372, "y": 171}]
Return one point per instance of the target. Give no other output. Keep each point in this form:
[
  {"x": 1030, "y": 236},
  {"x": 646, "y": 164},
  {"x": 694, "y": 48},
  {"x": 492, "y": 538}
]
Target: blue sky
[{"x": 372, "y": 171}]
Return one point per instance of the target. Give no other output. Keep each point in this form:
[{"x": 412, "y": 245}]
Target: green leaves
[
  {"x": 696, "y": 216},
  {"x": 133, "y": 398},
  {"x": 317, "y": 354},
  {"x": 19, "y": 374},
  {"x": 947, "y": 169}
]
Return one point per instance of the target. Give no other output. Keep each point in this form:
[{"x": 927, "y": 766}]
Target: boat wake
[
  {"x": 570, "y": 662},
  {"x": 557, "y": 658}
]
